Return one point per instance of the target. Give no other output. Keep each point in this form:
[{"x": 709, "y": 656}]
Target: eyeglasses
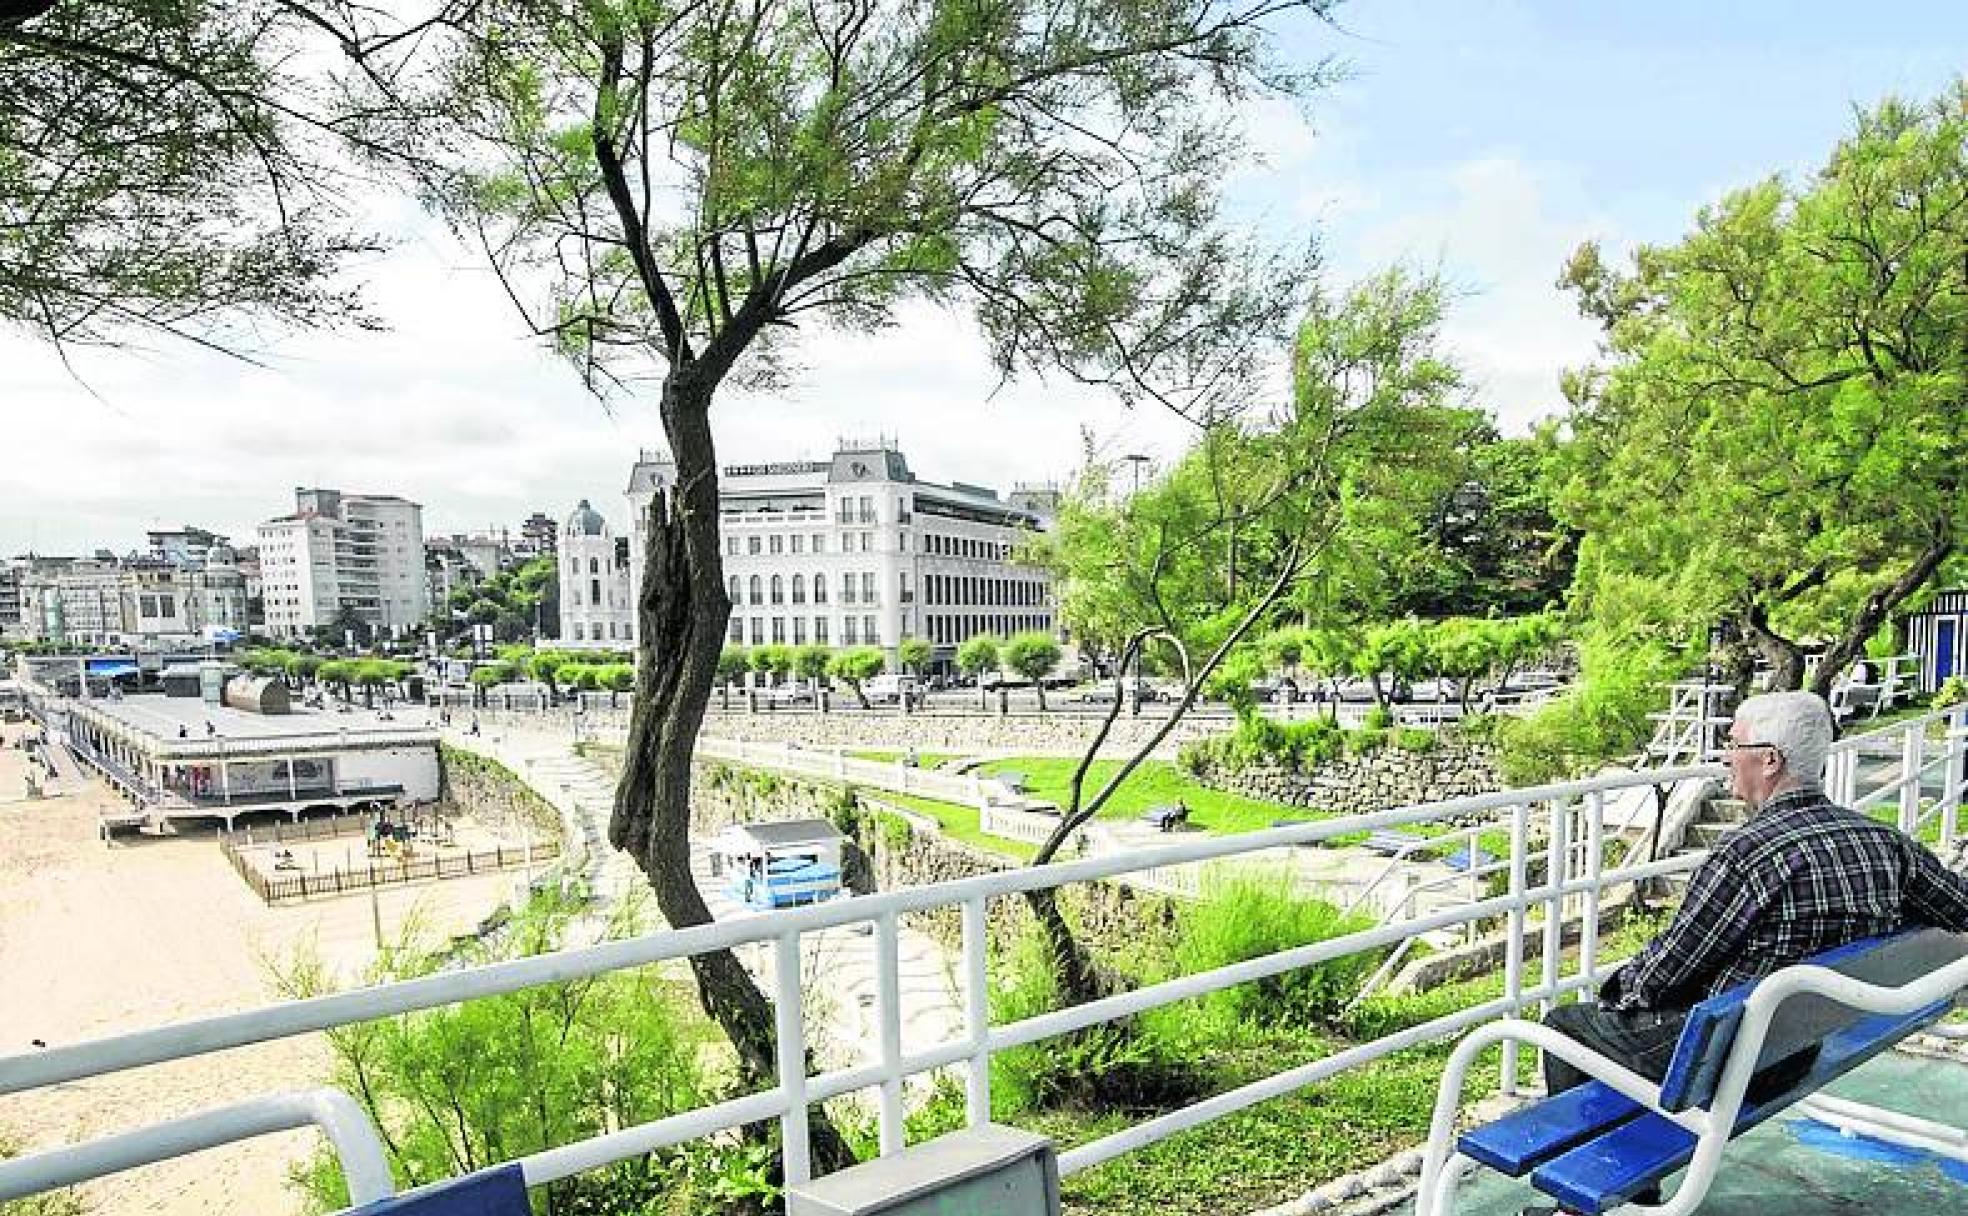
[{"x": 1730, "y": 746}]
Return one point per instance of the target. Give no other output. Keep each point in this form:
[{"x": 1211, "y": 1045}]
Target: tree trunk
[
  {"x": 1872, "y": 613},
  {"x": 682, "y": 614},
  {"x": 1785, "y": 657}
]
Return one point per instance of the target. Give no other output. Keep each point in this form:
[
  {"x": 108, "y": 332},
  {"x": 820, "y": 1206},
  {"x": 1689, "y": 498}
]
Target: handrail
[{"x": 1529, "y": 909}]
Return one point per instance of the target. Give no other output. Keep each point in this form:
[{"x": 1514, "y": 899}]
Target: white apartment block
[
  {"x": 595, "y": 609},
  {"x": 856, "y": 551},
  {"x": 362, "y": 554}
]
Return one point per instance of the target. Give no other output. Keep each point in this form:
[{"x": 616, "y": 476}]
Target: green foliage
[
  {"x": 1953, "y": 691},
  {"x": 772, "y": 660},
  {"x": 1253, "y": 915},
  {"x": 1380, "y": 717},
  {"x": 810, "y": 662},
  {"x": 915, "y": 654},
  {"x": 1415, "y": 739},
  {"x": 978, "y": 655},
  {"x": 488, "y": 674},
  {"x": 498, "y": 1077},
  {"x": 1774, "y": 444},
  {"x": 857, "y": 665},
  {"x": 1604, "y": 716},
  {"x": 1032, "y": 655},
  {"x": 733, "y": 661},
  {"x": 48, "y": 1203}
]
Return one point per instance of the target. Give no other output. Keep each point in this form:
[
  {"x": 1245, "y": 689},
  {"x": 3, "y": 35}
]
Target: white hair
[{"x": 1797, "y": 724}]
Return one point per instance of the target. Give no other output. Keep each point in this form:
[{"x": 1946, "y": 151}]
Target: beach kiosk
[{"x": 779, "y": 865}]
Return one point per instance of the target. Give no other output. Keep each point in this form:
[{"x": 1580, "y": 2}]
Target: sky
[{"x": 1482, "y": 140}]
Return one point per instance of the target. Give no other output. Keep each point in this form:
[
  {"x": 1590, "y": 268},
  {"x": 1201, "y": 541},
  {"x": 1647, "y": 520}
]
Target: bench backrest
[
  {"x": 495, "y": 1192},
  {"x": 1802, "y": 1021}
]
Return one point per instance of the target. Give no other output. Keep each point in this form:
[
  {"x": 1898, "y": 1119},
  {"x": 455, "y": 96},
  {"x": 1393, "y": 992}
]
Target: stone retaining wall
[
  {"x": 1387, "y": 777},
  {"x": 492, "y": 794},
  {"x": 1027, "y": 733}
]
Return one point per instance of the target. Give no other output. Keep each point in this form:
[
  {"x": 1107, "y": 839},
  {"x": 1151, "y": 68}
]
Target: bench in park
[
  {"x": 1014, "y": 782},
  {"x": 1391, "y": 842},
  {"x": 1167, "y": 817},
  {"x": 1594, "y": 1147}
]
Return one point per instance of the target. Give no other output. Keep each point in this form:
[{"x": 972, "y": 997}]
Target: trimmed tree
[
  {"x": 1033, "y": 655},
  {"x": 811, "y": 662},
  {"x": 976, "y": 656},
  {"x": 854, "y": 666}
]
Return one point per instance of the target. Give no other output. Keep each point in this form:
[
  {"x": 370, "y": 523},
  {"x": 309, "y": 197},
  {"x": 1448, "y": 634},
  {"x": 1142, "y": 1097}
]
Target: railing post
[
  {"x": 1557, "y": 859},
  {"x": 888, "y": 978},
  {"x": 1952, "y": 747},
  {"x": 1595, "y": 853},
  {"x": 1910, "y": 764},
  {"x": 790, "y": 1022},
  {"x": 1513, "y": 963},
  {"x": 977, "y": 1011}
]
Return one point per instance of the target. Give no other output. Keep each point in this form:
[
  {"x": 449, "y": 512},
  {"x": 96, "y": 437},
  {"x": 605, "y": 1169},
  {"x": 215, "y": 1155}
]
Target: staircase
[{"x": 1715, "y": 819}]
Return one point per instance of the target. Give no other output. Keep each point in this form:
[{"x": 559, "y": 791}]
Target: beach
[{"x": 101, "y": 939}]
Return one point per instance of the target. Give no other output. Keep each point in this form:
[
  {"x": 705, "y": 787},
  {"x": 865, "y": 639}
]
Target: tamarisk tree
[{"x": 674, "y": 189}]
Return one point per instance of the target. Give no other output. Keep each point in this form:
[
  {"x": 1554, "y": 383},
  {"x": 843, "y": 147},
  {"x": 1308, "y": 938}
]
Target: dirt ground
[{"x": 98, "y": 940}]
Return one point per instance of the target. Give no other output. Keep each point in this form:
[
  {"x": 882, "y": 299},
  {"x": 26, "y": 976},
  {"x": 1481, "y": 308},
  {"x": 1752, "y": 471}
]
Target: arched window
[
  {"x": 594, "y": 565},
  {"x": 799, "y": 588},
  {"x": 819, "y": 588},
  {"x": 758, "y": 589},
  {"x": 778, "y": 590},
  {"x": 736, "y": 594}
]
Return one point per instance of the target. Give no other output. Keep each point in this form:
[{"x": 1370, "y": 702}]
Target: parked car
[
  {"x": 889, "y": 688},
  {"x": 787, "y": 694},
  {"x": 1101, "y": 692}
]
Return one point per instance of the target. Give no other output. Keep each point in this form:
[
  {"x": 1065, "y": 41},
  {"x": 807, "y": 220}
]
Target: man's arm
[
  {"x": 1709, "y": 928},
  {"x": 1934, "y": 894}
]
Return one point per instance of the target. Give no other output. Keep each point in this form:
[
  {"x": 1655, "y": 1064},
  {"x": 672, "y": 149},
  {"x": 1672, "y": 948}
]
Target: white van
[{"x": 889, "y": 687}]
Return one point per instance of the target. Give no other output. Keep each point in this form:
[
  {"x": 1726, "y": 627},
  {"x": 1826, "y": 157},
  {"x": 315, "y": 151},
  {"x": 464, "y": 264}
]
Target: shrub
[
  {"x": 1953, "y": 691},
  {"x": 1366, "y": 741},
  {"x": 1605, "y": 716},
  {"x": 1415, "y": 739},
  {"x": 1252, "y": 915},
  {"x": 1378, "y": 718}
]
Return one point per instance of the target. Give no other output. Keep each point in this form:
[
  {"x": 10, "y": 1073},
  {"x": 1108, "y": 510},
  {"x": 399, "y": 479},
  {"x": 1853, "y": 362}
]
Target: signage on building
[{"x": 777, "y": 467}]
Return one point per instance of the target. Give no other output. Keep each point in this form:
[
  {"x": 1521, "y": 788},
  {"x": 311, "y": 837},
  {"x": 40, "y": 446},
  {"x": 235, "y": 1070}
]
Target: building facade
[
  {"x": 596, "y": 608},
  {"x": 344, "y": 556},
  {"x": 538, "y": 535},
  {"x": 855, "y": 550},
  {"x": 147, "y": 602}
]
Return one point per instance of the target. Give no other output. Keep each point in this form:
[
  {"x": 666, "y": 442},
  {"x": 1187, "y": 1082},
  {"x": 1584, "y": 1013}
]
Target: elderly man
[{"x": 1803, "y": 875}]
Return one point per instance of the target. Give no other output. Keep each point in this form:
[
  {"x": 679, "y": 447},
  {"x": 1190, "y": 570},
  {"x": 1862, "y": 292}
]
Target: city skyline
[{"x": 1485, "y": 144}]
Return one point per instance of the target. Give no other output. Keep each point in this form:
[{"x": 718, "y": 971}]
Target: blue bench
[
  {"x": 1594, "y": 1147},
  {"x": 494, "y": 1192},
  {"x": 1391, "y": 842},
  {"x": 1167, "y": 817}
]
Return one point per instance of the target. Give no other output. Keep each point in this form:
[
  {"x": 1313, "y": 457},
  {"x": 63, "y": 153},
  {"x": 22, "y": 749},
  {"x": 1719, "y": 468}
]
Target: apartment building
[{"x": 341, "y": 555}]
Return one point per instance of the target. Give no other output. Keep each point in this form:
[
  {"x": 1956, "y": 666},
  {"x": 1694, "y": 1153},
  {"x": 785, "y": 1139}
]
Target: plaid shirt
[{"x": 1802, "y": 876}]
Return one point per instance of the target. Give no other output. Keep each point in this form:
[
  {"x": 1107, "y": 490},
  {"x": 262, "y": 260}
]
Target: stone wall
[
  {"x": 1387, "y": 777},
  {"x": 492, "y": 794},
  {"x": 887, "y": 730}
]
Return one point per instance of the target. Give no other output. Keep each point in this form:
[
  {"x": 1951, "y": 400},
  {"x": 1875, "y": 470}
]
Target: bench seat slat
[
  {"x": 1600, "y": 1175},
  {"x": 495, "y": 1192},
  {"x": 1529, "y": 1137}
]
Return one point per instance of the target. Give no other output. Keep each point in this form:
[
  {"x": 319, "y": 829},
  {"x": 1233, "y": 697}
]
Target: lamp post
[{"x": 1137, "y": 459}]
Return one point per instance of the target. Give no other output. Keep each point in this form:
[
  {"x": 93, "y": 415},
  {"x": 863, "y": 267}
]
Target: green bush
[
  {"x": 1252, "y": 915},
  {"x": 1953, "y": 691},
  {"x": 1378, "y": 718},
  {"x": 1604, "y": 717},
  {"x": 47, "y": 1203},
  {"x": 1415, "y": 739},
  {"x": 1366, "y": 741}
]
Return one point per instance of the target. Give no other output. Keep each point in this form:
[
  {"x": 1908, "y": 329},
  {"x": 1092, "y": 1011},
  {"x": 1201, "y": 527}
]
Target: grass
[
  {"x": 1154, "y": 783},
  {"x": 957, "y": 822},
  {"x": 1276, "y": 1150}
]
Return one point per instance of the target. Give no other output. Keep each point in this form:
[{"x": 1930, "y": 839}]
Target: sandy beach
[{"x": 97, "y": 940}]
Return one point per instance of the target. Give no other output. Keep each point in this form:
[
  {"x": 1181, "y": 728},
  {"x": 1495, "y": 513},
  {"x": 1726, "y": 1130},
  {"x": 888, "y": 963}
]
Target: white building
[
  {"x": 355, "y": 554},
  {"x": 856, "y": 551},
  {"x": 145, "y": 602},
  {"x": 596, "y": 610}
]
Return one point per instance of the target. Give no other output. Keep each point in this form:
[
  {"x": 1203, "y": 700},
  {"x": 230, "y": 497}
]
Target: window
[
  {"x": 851, "y": 630},
  {"x": 737, "y": 596},
  {"x": 757, "y": 587},
  {"x": 594, "y": 565},
  {"x": 731, "y": 546},
  {"x": 778, "y": 631},
  {"x": 799, "y": 588},
  {"x": 819, "y": 588},
  {"x": 819, "y": 542},
  {"x": 799, "y": 631},
  {"x": 573, "y": 567},
  {"x": 867, "y": 541},
  {"x": 867, "y": 509},
  {"x": 579, "y": 636},
  {"x": 820, "y": 630},
  {"x": 778, "y": 590},
  {"x": 758, "y": 631},
  {"x": 594, "y": 592},
  {"x": 847, "y": 588},
  {"x": 906, "y": 597},
  {"x": 752, "y": 545},
  {"x": 776, "y": 544},
  {"x": 868, "y": 627},
  {"x": 868, "y": 587},
  {"x": 737, "y": 630},
  {"x": 799, "y": 542}
]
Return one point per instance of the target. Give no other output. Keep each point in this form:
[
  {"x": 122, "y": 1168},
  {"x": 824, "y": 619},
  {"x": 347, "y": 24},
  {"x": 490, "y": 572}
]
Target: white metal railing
[{"x": 1563, "y": 824}]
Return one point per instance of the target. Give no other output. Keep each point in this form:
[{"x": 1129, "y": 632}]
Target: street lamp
[{"x": 1136, "y": 459}]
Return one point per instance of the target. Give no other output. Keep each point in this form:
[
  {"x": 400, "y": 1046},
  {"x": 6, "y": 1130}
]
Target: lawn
[
  {"x": 957, "y": 822},
  {"x": 1154, "y": 783}
]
